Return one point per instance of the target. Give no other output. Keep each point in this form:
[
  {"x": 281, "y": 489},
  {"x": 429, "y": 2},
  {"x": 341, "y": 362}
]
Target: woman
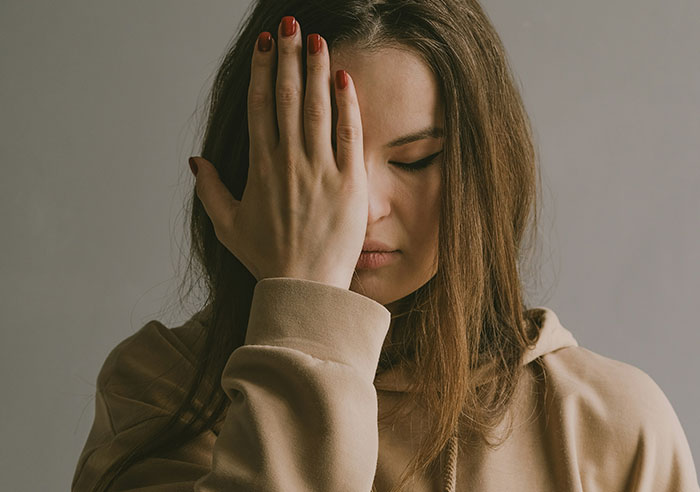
[{"x": 319, "y": 363}]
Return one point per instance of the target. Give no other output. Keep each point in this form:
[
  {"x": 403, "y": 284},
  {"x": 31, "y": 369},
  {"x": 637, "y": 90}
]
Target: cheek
[
  {"x": 430, "y": 196},
  {"x": 424, "y": 215}
]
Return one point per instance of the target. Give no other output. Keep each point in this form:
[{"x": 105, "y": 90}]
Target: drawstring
[{"x": 450, "y": 479}]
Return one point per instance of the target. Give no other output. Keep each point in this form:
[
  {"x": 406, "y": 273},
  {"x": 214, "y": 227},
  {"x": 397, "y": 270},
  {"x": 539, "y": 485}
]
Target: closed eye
[{"x": 417, "y": 165}]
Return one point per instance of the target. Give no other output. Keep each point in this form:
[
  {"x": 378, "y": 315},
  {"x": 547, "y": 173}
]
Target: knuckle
[
  {"x": 288, "y": 94},
  {"x": 258, "y": 99},
  {"x": 348, "y": 133},
  {"x": 317, "y": 68},
  {"x": 258, "y": 62},
  {"x": 314, "y": 112},
  {"x": 288, "y": 161},
  {"x": 350, "y": 185},
  {"x": 288, "y": 48}
]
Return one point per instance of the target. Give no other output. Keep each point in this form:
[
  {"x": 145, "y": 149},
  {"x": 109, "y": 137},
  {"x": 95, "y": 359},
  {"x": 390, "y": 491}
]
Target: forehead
[{"x": 397, "y": 91}]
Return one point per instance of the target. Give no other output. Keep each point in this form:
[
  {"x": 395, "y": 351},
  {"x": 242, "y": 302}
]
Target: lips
[
  {"x": 373, "y": 245},
  {"x": 375, "y": 259}
]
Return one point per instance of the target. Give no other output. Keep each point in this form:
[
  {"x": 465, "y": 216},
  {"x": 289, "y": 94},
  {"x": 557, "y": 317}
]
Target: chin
[
  {"x": 377, "y": 284},
  {"x": 370, "y": 283}
]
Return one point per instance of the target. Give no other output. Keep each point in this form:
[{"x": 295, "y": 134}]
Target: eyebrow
[{"x": 430, "y": 132}]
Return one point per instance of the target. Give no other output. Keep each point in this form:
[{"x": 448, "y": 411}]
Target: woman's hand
[{"x": 303, "y": 212}]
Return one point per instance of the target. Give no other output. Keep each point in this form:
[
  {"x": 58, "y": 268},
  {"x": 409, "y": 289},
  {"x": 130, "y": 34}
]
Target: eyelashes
[{"x": 418, "y": 165}]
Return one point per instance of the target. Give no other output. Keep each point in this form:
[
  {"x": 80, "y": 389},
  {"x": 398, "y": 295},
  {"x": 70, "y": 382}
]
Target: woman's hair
[{"x": 470, "y": 316}]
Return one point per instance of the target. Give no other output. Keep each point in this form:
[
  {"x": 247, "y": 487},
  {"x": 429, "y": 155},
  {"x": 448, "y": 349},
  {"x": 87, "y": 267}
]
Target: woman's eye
[{"x": 418, "y": 165}]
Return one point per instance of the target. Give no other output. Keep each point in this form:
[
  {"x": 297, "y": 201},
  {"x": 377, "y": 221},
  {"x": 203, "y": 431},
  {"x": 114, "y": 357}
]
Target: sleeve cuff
[{"x": 322, "y": 320}]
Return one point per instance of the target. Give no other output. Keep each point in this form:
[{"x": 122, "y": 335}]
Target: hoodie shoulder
[
  {"x": 577, "y": 372},
  {"x": 613, "y": 412}
]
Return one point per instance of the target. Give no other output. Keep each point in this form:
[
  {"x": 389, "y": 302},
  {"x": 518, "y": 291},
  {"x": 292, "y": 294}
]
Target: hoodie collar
[{"x": 553, "y": 336}]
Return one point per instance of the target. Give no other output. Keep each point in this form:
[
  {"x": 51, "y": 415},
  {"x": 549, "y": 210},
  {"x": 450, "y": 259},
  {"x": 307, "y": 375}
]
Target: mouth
[
  {"x": 375, "y": 259},
  {"x": 376, "y": 246}
]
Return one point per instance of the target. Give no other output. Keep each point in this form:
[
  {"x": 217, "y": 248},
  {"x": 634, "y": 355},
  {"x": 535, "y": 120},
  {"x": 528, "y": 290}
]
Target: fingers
[
  {"x": 289, "y": 85},
  {"x": 349, "y": 152},
  {"x": 262, "y": 120},
  {"x": 216, "y": 198},
  {"x": 304, "y": 116},
  {"x": 317, "y": 105}
]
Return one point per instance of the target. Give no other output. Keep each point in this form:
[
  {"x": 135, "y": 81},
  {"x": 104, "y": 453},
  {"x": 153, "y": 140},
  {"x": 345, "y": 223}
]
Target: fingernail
[
  {"x": 341, "y": 79},
  {"x": 313, "y": 41},
  {"x": 264, "y": 41},
  {"x": 289, "y": 25},
  {"x": 193, "y": 166}
]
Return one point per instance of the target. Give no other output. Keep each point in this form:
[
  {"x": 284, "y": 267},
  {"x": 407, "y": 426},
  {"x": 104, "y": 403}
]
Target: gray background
[{"x": 98, "y": 119}]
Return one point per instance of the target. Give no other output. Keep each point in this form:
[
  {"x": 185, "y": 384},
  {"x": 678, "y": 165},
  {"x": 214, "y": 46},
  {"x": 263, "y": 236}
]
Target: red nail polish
[
  {"x": 313, "y": 41},
  {"x": 264, "y": 41},
  {"x": 193, "y": 166},
  {"x": 289, "y": 25},
  {"x": 341, "y": 79}
]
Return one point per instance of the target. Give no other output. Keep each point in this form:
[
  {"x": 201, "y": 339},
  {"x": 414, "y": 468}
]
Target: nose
[{"x": 379, "y": 190}]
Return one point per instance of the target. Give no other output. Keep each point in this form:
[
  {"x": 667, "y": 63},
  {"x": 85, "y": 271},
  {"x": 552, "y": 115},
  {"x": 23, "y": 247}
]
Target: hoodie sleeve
[{"x": 303, "y": 413}]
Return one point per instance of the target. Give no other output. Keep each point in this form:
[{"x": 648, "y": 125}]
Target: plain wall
[{"x": 97, "y": 123}]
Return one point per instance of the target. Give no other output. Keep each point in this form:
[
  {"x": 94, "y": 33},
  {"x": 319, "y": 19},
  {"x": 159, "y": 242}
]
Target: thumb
[{"x": 218, "y": 201}]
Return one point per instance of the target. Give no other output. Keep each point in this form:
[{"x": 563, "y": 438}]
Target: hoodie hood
[{"x": 553, "y": 336}]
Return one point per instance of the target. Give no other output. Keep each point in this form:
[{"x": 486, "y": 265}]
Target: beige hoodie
[{"x": 305, "y": 403}]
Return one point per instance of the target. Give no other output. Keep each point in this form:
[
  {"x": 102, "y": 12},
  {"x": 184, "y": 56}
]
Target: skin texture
[{"x": 398, "y": 94}]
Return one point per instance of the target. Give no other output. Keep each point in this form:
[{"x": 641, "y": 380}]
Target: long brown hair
[{"x": 471, "y": 315}]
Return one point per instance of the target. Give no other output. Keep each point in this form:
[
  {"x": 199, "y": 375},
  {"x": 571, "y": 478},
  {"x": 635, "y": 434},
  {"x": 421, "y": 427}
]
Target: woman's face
[{"x": 398, "y": 96}]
